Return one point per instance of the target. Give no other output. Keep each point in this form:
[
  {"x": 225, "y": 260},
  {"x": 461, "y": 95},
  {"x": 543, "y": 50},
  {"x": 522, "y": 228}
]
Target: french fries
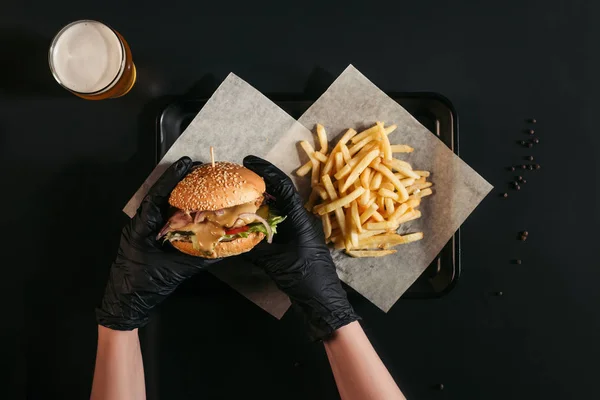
[
  {"x": 369, "y": 253},
  {"x": 361, "y": 192},
  {"x": 322, "y": 139}
]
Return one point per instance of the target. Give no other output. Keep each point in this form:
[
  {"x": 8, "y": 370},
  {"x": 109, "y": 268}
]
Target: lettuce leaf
[{"x": 273, "y": 221}]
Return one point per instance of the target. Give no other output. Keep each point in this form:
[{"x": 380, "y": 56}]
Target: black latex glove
[
  {"x": 144, "y": 273},
  {"x": 298, "y": 260}
]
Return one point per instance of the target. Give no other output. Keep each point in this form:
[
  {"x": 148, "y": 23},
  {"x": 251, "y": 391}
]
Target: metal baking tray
[{"x": 431, "y": 109}]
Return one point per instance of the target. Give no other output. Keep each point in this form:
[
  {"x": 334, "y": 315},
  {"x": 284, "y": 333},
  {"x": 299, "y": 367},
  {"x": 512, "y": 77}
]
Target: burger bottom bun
[{"x": 222, "y": 249}]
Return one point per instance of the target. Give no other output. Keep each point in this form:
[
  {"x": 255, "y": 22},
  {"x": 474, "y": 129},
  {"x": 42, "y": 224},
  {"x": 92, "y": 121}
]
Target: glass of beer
[{"x": 92, "y": 61}]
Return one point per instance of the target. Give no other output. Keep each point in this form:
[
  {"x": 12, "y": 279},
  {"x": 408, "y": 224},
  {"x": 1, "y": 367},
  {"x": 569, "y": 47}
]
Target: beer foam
[{"x": 87, "y": 57}]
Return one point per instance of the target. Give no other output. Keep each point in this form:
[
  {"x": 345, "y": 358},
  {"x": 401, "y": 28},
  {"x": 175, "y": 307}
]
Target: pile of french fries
[{"x": 361, "y": 192}]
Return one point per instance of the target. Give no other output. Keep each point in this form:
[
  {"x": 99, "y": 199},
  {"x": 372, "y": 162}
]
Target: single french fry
[
  {"x": 340, "y": 183},
  {"x": 389, "y": 206},
  {"x": 401, "y": 148},
  {"x": 316, "y": 169},
  {"x": 401, "y": 166},
  {"x": 388, "y": 240},
  {"x": 386, "y": 184},
  {"x": 360, "y": 167},
  {"x": 421, "y": 193},
  {"x": 365, "y": 177},
  {"x": 377, "y": 217},
  {"x": 423, "y": 173},
  {"x": 388, "y": 194},
  {"x": 376, "y": 181},
  {"x": 326, "y": 179},
  {"x": 390, "y": 129},
  {"x": 367, "y": 213},
  {"x": 407, "y": 181},
  {"x": 415, "y": 215},
  {"x": 321, "y": 191},
  {"x": 364, "y": 198},
  {"x": 375, "y": 162},
  {"x": 381, "y": 204},
  {"x": 320, "y": 156},
  {"x": 345, "y": 152},
  {"x": 355, "y": 216},
  {"x": 329, "y": 207},
  {"x": 339, "y": 162},
  {"x": 372, "y": 199},
  {"x": 413, "y": 203},
  {"x": 343, "y": 140},
  {"x": 305, "y": 169},
  {"x": 385, "y": 171},
  {"x": 308, "y": 149},
  {"x": 326, "y": 225},
  {"x": 356, "y": 148},
  {"x": 341, "y": 219},
  {"x": 407, "y": 216},
  {"x": 366, "y": 233},
  {"x": 374, "y": 226},
  {"x": 354, "y": 238},
  {"x": 385, "y": 143},
  {"x": 419, "y": 186},
  {"x": 369, "y": 253},
  {"x": 322, "y": 135},
  {"x": 364, "y": 134},
  {"x": 398, "y": 212}
]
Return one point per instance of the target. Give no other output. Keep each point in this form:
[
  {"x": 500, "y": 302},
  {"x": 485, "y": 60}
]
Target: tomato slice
[{"x": 235, "y": 231}]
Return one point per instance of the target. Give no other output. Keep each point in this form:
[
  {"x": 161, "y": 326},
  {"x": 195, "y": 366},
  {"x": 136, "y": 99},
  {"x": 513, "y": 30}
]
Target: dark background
[{"x": 69, "y": 165}]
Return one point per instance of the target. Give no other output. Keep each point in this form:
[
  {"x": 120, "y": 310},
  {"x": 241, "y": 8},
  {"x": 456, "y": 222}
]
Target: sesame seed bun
[
  {"x": 222, "y": 249},
  {"x": 209, "y": 188}
]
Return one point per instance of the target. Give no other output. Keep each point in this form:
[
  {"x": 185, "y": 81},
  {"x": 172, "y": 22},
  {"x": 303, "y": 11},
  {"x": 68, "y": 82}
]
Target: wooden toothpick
[{"x": 212, "y": 156}]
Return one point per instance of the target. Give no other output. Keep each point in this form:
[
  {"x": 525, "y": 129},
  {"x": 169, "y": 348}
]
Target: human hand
[
  {"x": 144, "y": 273},
  {"x": 298, "y": 260}
]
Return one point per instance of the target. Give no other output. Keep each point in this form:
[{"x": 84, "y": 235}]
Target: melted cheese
[{"x": 208, "y": 233}]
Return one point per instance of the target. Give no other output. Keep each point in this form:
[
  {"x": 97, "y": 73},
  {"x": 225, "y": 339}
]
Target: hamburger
[{"x": 219, "y": 211}]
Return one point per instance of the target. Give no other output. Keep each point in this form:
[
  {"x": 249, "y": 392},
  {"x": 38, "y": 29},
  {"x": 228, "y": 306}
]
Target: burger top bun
[{"x": 209, "y": 188}]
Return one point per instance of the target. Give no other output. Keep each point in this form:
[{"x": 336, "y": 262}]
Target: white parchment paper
[{"x": 353, "y": 101}]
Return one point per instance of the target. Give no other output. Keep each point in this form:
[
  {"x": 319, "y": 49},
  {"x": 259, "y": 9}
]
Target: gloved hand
[
  {"x": 298, "y": 260},
  {"x": 144, "y": 273}
]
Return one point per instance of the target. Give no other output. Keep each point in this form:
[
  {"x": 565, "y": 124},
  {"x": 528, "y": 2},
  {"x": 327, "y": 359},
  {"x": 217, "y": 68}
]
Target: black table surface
[{"x": 69, "y": 165}]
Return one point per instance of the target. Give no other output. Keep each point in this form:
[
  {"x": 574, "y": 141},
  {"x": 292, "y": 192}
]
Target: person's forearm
[
  {"x": 357, "y": 369},
  {"x": 119, "y": 372}
]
